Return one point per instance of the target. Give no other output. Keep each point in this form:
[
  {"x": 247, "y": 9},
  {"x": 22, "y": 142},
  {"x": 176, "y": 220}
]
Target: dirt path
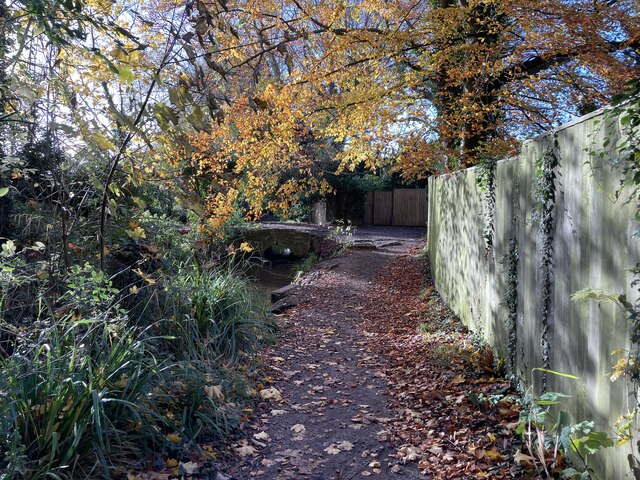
[
  {"x": 330, "y": 423},
  {"x": 331, "y": 406}
]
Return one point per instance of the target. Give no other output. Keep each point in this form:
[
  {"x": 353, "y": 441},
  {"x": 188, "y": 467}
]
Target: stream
[{"x": 272, "y": 276}]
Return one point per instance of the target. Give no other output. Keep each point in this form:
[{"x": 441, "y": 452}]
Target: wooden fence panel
[
  {"x": 368, "y": 209},
  {"x": 409, "y": 207},
  {"x": 382, "y": 208}
]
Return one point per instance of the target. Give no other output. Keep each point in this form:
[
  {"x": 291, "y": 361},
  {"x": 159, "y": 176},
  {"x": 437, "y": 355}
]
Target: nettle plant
[{"x": 549, "y": 436}]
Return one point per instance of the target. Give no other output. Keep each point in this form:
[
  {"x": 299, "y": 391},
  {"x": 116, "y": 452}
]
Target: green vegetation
[
  {"x": 549, "y": 436},
  {"x": 305, "y": 265},
  {"x": 86, "y": 385},
  {"x": 139, "y": 360}
]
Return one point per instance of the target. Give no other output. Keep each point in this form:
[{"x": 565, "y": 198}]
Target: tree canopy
[{"x": 244, "y": 101}]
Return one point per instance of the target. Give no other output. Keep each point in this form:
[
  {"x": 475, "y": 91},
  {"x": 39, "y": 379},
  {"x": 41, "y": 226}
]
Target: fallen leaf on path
[
  {"x": 189, "y": 467},
  {"x": 245, "y": 450},
  {"x": 149, "y": 476},
  {"x": 298, "y": 428},
  {"x": 332, "y": 450},
  {"x": 493, "y": 454},
  {"x": 261, "y": 436},
  {"x": 409, "y": 454},
  {"x": 344, "y": 445},
  {"x": 520, "y": 457},
  {"x": 435, "y": 449},
  {"x": 271, "y": 394}
]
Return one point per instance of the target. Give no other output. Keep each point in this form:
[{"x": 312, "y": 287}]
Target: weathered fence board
[
  {"x": 409, "y": 207},
  {"x": 593, "y": 247},
  {"x": 382, "y": 208},
  {"x": 368, "y": 209}
]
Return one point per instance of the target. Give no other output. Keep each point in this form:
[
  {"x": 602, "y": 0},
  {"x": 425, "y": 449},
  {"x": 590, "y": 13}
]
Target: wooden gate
[{"x": 400, "y": 207}]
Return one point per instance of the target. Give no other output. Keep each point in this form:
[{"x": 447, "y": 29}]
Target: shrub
[
  {"x": 86, "y": 387},
  {"x": 98, "y": 370}
]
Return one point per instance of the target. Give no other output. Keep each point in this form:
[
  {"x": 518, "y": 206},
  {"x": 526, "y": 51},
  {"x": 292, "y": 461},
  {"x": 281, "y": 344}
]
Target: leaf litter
[{"x": 398, "y": 382}]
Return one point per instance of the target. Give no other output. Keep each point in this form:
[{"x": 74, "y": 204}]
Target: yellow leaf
[
  {"x": 137, "y": 233},
  {"x": 619, "y": 368},
  {"x": 122, "y": 383},
  {"x": 493, "y": 454},
  {"x": 174, "y": 438}
]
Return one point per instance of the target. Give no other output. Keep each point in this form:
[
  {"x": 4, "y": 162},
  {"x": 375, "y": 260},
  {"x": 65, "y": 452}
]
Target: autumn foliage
[{"x": 426, "y": 86}]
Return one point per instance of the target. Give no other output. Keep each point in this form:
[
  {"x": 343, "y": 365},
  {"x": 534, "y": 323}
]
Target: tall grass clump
[
  {"x": 76, "y": 396},
  {"x": 217, "y": 315}
]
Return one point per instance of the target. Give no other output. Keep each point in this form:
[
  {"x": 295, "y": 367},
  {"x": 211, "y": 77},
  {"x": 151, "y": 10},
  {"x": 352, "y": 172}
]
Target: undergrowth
[{"x": 99, "y": 376}]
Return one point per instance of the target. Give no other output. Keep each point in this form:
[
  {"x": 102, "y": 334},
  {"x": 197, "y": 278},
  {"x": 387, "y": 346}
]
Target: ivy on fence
[
  {"x": 545, "y": 197},
  {"x": 486, "y": 180}
]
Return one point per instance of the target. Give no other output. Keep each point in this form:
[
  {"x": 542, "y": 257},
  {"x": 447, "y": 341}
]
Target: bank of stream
[{"x": 278, "y": 251}]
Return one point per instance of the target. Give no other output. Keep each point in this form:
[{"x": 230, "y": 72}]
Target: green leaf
[
  {"x": 196, "y": 118},
  {"x": 4, "y": 191},
  {"x": 569, "y": 473},
  {"x": 598, "y": 296},
  {"x": 125, "y": 75},
  {"x": 27, "y": 93},
  {"x": 165, "y": 113},
  {"x": 591, "y": 443},
  {"x": 68, "y": 129}
]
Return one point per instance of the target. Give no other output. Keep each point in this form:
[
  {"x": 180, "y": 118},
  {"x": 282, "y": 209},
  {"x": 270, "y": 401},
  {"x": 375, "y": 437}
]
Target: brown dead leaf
[
  {"x": 409, "y": 454},
  {"x": 298, "y": 428},
  {"x": 214, "y": 392},
  {"x": 332, "y": 450},
  {"x": 344, "y": 445},
  {"x": 245, "y": 450},
  {"x": 520, "y": 458},
  {"x": 271, "y": 394},
  {"x": 189, "y": 467},
  {"x": 261, "y": 436}
]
